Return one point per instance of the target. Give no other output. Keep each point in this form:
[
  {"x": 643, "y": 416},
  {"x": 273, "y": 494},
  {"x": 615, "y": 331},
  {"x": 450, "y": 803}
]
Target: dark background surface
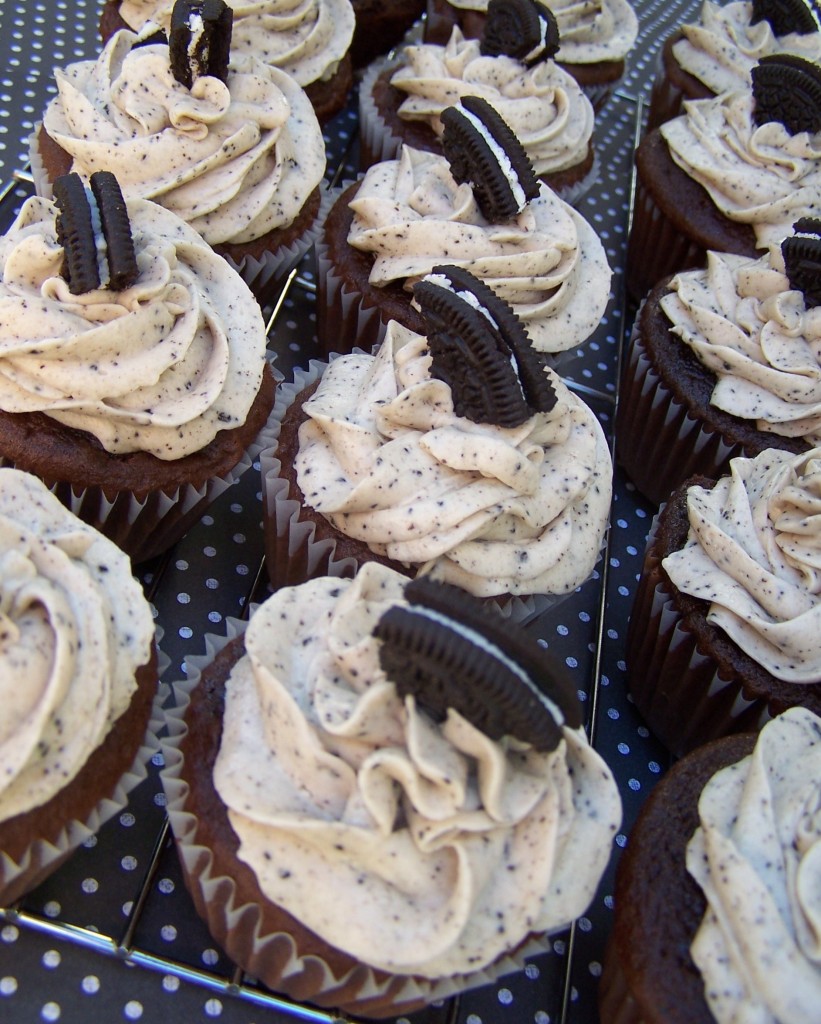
[{"x": 113, "y": 935}]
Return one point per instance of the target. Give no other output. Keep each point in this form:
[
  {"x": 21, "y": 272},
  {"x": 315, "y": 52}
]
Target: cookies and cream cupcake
[
  {"x": 391, "y": 837},
  {"x": 235, "y": 151},
  {"x": 455, "y": 452},
  {"x": 78, "y": 677},
  {"x": 308, "y": 39},
  {"x": 133, "y": 377}
]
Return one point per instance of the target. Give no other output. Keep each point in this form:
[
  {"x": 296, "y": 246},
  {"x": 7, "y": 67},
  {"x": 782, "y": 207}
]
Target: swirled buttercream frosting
[
  {"x": 590, "y": 32},
  {"x": 543, "y": 105},
  {"x": 447, "y": 849},
  {"x": 306, "y": 38},
  {"x": 752, "y": 553},
  {"x": 548, "y": 262},
  {"x": 74, "y": 628},
  {"x": 494, "y": 510},
  {"x": 234, "y": 159},
  {"x": 160, "y": 367},
  {"x": 757, "y": 857},
  {"x": 759, "y": 338},
  {"x": 722, "y": 48},
  {"x": 759, "y": 175}
]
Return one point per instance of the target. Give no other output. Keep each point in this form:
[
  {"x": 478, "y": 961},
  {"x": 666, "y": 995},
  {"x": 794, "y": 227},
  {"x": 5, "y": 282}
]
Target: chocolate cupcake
[
  {"x": 237, "y": 152},
  {"x": 310, "y": 41},
  {"x": 308, "y": 864},
  {"x": 709, "y": 921},
  {"x": 402, "y": 101},
  {"x": 723, "y": 633},
  {"x": 722, "y": 363},
  {"x": 381, "y": 25},
  {"x": 146, "y": 402},
  {"x": 78, "y": 681},
  {"x": 717, "y": 53},
  {"x": 731, "y": 174},
  {"x": 438, "y": 456},
  {"x": 596, "y": 38},
  {"x": 481, "y": 207}
]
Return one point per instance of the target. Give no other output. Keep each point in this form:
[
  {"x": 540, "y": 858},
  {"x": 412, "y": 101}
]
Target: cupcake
[
  {"x": 713, "y": 909},
  {"x": 133, "y": 377},
  {"x": 437, "y": 457},
  {"x": 363, "y": 834},
  {"x": 308, "y": 39},
  {"x": 596, "y": 37},
  {"x": 481, "y": 207},
  {"x": 717, "y": 53},
  {"x": 731, "y": 174},
  {"x": 78, "y": 678},
  {"x": 402, "y": 101},
  {"x": 724, "y": 362},
  {"x": 725, "y": 625},
  {"x": 380, "y": 25},
  {"x": 239, "y": 157}
]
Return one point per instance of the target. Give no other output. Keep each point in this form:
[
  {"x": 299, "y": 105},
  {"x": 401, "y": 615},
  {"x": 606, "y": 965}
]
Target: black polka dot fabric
[{"x": 113, "y": 936}]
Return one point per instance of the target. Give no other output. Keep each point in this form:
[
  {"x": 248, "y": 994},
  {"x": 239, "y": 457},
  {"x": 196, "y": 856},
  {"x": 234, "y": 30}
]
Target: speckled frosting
[
  {"x": 752, "y": 553},
  {"x": 722, "y": 48},
  {"x": 757, "y": 336},
  {"x": 306, "y": 38},
  {"x": 160, "y": 367},
  {"x": 418, "y": 848},
  {"x": 757, "y": 857},
  {"x": 74, "y": 628},
  {"x": 756, "y": 175},
  {"x": 234, "y": 160},
  {"x": 590, "y": 32},
  {"x": 543, "y": 105},
  {"x": 548, "y": 263},
  {"x": 496, "y": 511}
]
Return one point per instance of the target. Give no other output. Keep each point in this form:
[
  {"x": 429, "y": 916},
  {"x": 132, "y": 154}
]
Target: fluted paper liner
[
  {"x": 275, "y": 958},
  {"x": 292, "y": 551}
]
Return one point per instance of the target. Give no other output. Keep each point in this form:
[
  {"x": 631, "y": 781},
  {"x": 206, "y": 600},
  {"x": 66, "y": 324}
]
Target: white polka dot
[
  {"x": 51, "y": 959},
  {"x": 50, "y": 1012},
  {"x": 133, "y": 1009},
  {"x": 505, "y": 996},
  {"x": 213, "y": 1008},
  {"x": 166, "y": 885},
  {"x": 52, "y": 909},
  {"x": 10, "y": 933},
  {"x": 168, "y": 932},
  {"x": 128, "y": 863},
  {"x": 90, "y": 984},
  {"x": 170, "y": 983},
  {"x": 210, "y": 957},
  {"x": 127, "y": 819},
  {"x": 90, "y": 885},
  {"x": 8, "y": 986}
]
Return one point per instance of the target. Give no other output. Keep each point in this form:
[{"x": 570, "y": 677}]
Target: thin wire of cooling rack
[{"x": 238, "y": 984}]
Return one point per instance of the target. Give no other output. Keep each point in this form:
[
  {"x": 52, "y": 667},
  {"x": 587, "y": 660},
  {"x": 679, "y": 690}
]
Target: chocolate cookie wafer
[
  {"x": 447, "y": 652},
  {"x": 484, "y": 152},
  {"x": 784, "y": 16},
  {"x": 524, "y": 29},
  {"x": 480, "y": 349},
  {"x": 200, "y": 40},
  {"x": 95, "y": 233},
  {"x": 787, "y": 89},
  {"x": 802, "y": 259}
]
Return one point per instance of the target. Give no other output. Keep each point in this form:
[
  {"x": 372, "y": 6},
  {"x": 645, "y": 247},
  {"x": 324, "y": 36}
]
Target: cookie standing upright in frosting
[
  {"x": 731, "y": 174},
  {"x": 480, "y": 207},
  {"x": 541, "y": 102},
  {"x": 78, "y": 675},
  {"x": 717, "y": 53},
  {"x": 151, "y": 389},
  {"x": 240, "y": 160},
  {"x": 308, "y": 39},
  {"x": 412, "y": 845},
  {"x": 439, "y": 456}
]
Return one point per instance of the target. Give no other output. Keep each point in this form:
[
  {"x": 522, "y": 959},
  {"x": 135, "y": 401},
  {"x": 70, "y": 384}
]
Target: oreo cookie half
[
  {"x": 480, "y": 349},
  {"x": 200, "y": 40},
  {"x": 785, "y": 16},
  {"x": 802, "y": 259},
  {"x": 524, "y": 29},
  {"x": 95, "y": 233},
  {"x": 483, "y": 151},
  {"x": 787, "y": 89},
  {"x": 449, "y": 652}
]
